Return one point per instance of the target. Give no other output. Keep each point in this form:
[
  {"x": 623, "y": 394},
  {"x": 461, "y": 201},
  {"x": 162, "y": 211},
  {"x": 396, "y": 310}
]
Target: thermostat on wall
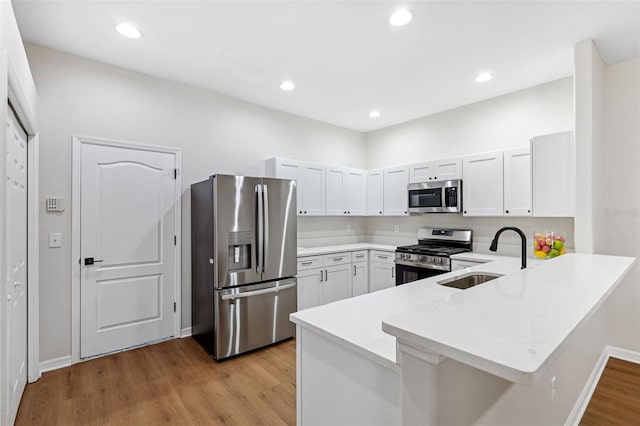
[{"x": 55, "y": 205}]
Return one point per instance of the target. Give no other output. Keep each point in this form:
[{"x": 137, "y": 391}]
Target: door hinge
[
  {"x": 175, "y": 173},
  {"x": 174, "y": 306},
  {"x": 175, "y": 240}
]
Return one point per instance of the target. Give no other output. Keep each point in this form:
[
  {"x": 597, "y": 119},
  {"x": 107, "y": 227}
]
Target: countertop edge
[
  {"x": 317, "y": 251},
  {"x": 367, "y": 353}
]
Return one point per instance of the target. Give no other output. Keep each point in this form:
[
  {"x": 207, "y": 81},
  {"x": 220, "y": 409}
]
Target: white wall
[
  {"x": 503, "y": 122},
  {"x": 217, "y": 135},
  {"x": 620, "y": 192}
]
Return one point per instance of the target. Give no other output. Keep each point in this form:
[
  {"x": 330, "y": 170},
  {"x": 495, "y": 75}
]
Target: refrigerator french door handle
[
  {"x": 259, "y": 229},
  {"x": 256, "y": 292},
  {"x": 265, "y": 227}
]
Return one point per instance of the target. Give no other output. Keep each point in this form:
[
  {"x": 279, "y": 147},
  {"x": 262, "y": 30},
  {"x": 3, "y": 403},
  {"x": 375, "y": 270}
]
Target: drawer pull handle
[
  {"x": 306, "y": 263},
  {"x": 358, "y": 256},
  {"x": 336, "y": 259},
  {"x": 383, "y": 257}
]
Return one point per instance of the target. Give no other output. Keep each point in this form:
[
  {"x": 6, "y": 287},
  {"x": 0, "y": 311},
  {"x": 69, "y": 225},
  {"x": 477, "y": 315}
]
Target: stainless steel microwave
[{"x": 435, "y": 197}]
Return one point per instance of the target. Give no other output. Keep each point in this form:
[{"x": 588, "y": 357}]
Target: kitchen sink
[{"x": 469, "y": 280}]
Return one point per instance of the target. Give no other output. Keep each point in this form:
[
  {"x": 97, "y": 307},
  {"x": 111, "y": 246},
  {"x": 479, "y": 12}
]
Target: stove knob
[{"x": 437, "y": 260}]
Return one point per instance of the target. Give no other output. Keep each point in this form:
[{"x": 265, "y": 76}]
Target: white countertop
[
  {"x": 485, "y": 258},
  {"x": 493, "y": 326},
  {"x": 314, "y": 251},
  {"x": 515, "y": 325}
]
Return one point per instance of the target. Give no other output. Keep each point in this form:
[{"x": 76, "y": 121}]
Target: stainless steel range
[{"x": 430, "y": 256}]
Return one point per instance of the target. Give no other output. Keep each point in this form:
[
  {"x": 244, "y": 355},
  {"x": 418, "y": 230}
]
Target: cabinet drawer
[
  {"x": 309, "y": 262},
  {"x": 336, "y": 259},
  {"x": 382, "y": 256},
  {"x": 359, "y": 256}
]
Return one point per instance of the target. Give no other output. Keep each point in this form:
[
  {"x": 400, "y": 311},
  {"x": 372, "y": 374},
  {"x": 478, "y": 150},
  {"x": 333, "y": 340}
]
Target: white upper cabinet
[
  {"x": 450, "y": 169},
  {"x": 310, "y": 179},
  {"x": 335, "y": 197},
  {"x": 395, "y": 194},
  {"x": 553, "y": 175},
  {"x": 375, "y": 192},
  {"x": 517, "y": 182},
  {"x": 355, "y": 192},
  {"x": 482, "y": 185},
  {"x": 346, "y": 191}
]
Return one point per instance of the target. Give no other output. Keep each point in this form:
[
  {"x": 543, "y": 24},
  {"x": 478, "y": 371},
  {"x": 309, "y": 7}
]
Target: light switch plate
[{"x": 55, "y": 239}]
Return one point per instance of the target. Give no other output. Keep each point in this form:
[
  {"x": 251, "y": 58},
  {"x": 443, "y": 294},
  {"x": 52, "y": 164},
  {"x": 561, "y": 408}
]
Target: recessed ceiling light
[
  {"x": 483, "y": 77},
  {"x": 400, "y": 17},
  {"x": 128, "y": 30},
  {"x": 287, "y": 86},
  {"x": 374, "y": 113}
]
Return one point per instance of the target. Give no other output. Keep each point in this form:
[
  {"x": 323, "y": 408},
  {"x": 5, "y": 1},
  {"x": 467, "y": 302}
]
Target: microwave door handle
[
  {"x": 265, "y": 228},
  {"x": 443, "y": 194},
  {"x": 259, "y": 223}
]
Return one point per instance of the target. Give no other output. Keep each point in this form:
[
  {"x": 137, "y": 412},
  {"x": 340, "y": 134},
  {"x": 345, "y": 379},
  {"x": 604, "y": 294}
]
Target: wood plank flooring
[
  {"x": 176, "y": 382},
  {"x": 616, "y": 400},
  {"x": 173, "y": 382}
]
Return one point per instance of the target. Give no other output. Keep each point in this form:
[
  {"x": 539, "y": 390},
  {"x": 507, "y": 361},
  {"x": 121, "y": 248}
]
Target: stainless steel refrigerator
[{"x": 243, "y": 251}]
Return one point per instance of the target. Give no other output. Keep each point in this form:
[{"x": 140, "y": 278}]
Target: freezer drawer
[{"x": 253, "y": 316}]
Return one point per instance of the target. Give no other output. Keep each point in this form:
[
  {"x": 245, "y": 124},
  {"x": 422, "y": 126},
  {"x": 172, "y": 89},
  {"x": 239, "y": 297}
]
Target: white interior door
[
  {"x": 16, "y": 280},
  {"x": 127, "y": 225}
]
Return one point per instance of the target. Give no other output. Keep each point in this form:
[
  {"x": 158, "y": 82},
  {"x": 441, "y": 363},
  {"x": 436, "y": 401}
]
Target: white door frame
[
  {"x": 16, "y": 96},
  {"x": 78, "y": 141}
]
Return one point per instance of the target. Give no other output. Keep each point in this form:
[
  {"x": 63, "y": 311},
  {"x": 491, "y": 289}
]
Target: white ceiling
[{"x": 343, "y": 56}]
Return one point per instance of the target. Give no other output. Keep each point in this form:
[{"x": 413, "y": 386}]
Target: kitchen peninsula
[{"x": 423, "y": 353}]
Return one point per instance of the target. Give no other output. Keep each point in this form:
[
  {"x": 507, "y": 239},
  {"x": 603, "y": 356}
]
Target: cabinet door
[
  {"x": 517, "y": 182},
  {"x": 553, "y": 175},
  {"x": 360, "y": 278},
  {"x": 336, "y": 284},
  {"x": 313, "y": 191},
  {"x": 309, "y": 288},
  {"x": 396, "y": 196},
  {"x": 375, "y": 192},
  {"x": 381, "y": 276},
  {"x": 482, "y": 186},
  {"x": 335, "y": 186},
  {"x": 422, "y": 172},
  {"x": 288, "y": 169},
  {"x": 355, "y": 192},
  {"x": 447, "y": 169}
]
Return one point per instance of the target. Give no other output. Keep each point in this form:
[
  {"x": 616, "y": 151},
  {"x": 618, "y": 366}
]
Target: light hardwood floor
[
  {"x": 616, "y": 400},
  {"x": 176, "y": 382},
  {"x": 173, "y": 382}
]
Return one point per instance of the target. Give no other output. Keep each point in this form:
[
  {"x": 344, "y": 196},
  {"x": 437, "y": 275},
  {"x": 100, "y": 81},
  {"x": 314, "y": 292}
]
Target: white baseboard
[
  {"x": 185, "y": 332},
  {"x": 585, "y": 396},
  {"x": 56, "y": 363},
  {"x": 624, "y": 354}
]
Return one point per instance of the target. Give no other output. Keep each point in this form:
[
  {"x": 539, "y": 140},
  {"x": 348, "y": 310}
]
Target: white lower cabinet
[
  {"x": 336, "y": 284},
  {"x": 329, "y": 278},
  {"x": 359, "y": 273},
  {"x": 309, "y": 288},
  {"x": 382, "y": 270}
]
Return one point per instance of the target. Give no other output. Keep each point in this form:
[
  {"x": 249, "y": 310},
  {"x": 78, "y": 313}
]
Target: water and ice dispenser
[{"x": 239, "y": 250}]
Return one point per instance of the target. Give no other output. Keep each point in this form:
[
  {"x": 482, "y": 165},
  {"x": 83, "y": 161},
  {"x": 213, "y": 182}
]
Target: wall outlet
[
  {"x": 348, "y": 228},
  {"x": 554, "y": 390},
  {"x": 397, "y": 228}
]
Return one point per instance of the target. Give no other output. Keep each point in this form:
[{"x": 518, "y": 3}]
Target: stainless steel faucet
[{"x": 494, "y": 243}]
